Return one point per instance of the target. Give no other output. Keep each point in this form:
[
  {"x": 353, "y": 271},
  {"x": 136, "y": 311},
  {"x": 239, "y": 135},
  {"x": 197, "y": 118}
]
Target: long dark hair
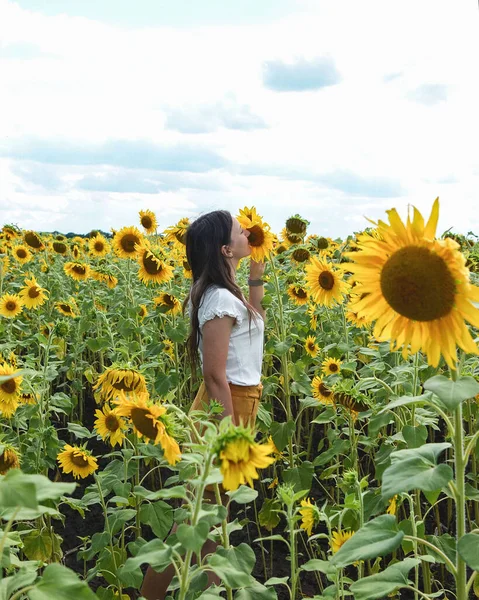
[{"x": 204, "y": 239}]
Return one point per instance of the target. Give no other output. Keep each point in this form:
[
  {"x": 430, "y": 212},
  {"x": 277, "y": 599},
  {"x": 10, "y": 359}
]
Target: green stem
[
  {"x": 450, "y": 564},
  {"x": 461, "y": 575}
]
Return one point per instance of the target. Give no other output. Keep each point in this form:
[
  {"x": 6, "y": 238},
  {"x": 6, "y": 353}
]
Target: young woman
[{"x": 226, "y": 329}]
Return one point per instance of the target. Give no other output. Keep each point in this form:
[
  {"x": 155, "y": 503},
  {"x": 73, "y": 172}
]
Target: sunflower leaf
[
  {"x": 62, "y": 584},
  {"x": 376, "y": 587},
  {"x": 452, "y": 393},
  {"x": 468, "y": 548}
]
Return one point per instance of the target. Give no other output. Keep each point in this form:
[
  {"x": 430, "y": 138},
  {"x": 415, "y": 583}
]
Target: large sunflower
[
  {"x": 148, "y": 421},
  {"x": 298, "y": 294},
  {"x": 9, "y": 458},
  {"x": 33, "y": 240},
  {"x": 168, "y": 303},
  {"x": 77, "y": 460},
  {"x": 22, "y": 254},
  {"x": 260, "y": 238},
  {"x": 416, "y": 288},
  {"x": 325, "y": 284},
  {"x": 321, "y": 391},
  {"x": 177, "y": 233},
  {"x": 115, "y": 380},
  {"x": 110, "y": 426},
  {"x": 148, "y": 221},
  {"x": 98, "y": 246},
  {"x": 76, "y": 270},
  {"x": 125, "y": 242},
  {"x": 32, "y": 294},
  {"x": 11, "y": 305},
  {"x": 153, "y": 267}
]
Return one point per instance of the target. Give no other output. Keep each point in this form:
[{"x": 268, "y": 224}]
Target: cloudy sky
[{"x": 333, "y": 109}]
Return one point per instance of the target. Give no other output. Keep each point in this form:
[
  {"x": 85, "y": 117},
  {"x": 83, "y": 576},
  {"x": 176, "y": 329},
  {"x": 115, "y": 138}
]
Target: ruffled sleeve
[{"x": 219, "y": 302}]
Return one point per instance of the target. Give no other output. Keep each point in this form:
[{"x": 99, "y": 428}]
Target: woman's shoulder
[{"x": 216, "y": 293}]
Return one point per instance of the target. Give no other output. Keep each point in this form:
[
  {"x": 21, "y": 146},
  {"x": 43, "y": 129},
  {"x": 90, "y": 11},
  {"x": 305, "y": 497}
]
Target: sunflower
[
  {"x": 76, "y": 251},
  {"x": 290, "y": 239},
  {"x": 169, "y": 348},
  {"x": 9, "y": 388},
  {"x": 177, "y": 233},
  {"x": 28, "y": 398},
  {"x": 76, "y": 270},
  {"x": 300, "y": 254},
  {"x": 98, "y": 246},
  {"x": 321, "y": 391},
  {"x": 249, "y": 213},
  {"x": 104, "y": 275},
  {"x": 392, "y": 507},
  {"x": 309, "y": 516},
  {"x": 125, "y": 242},
  {"x": 110, "y": 426},
  {"x": 325, "y": 285},
  {"x": 331, "y": 366},
  {"x": 148, "y": 421},
  {"x": 260, "y": 238},
  {"x": 168, "y": 303},
  {"x": 240, "y": 457},
  {"x": 32, "y": 294},
  {"x": 297, "y": 225},
  {"x": 153, "y": 267},
  {"x": 311, "y": 346},
  {"x": 77, "y": 460},
  {"x": 22, "y": 254},
  {"x": 148, "y": 221},
  {"x": 143, "y": 311},
  {"x": 11, "y": 232},
  {"x": 298, "y": 294},
  {"x": 68, "y": 309},
  {"x": 11, "y": 305},
  {"x": 115, "y": 380},
  {"x": 416, "y": 287},
  {"x": 33, "y": 240},
  {"x": 59, "y": 247},
  {"x": 9, "y": 458},
  {"x": 338, "y": 538},
  {"x": 187, "y": 272}
]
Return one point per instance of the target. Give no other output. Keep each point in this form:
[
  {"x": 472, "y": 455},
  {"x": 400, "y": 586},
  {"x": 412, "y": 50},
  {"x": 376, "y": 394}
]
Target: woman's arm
[
  {"x": 216, "y": 339},
  {"x": 256, "y": 293}
]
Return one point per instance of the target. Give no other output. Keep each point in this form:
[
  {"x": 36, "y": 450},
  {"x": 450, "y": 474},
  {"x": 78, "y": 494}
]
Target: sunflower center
[
  {"x": 79, "y": 269},
  {"x": 143, "y": 424},
  {"x": 322, "y": 243},
  {"x": 9, "y": 386},
  {"x": 11, "y": 305},
  {"x": 333, "y": 367},
  {"x": 256, "y": 236},
  {"x": 146, "y": 222},
  {"x": 150, "y": 264},
  {"x": 324, "y": 391},
  {"x": 326, "y": 280},
  {"x": 33, "y": 292},
  {"x": 128, "y": 242},
  {"x": 33, "y": 240},
  {"x": 168, "y": 300},
  {"x": 418, "y": 285},
  {"x": 99, "y": 246},
  {"x": 21, "y": 253},
  {"x": 79, "y": 460},
  {"x": 122, "y": 385},
  {"x": 66, "y": 308},
  {"x": 311, "y": 346},
  {"x": 300, "y": 293},
  {"x": 301, "y": 254},
  {"x": 112, "y": 423},
  {"x": 59, "y": 247}
]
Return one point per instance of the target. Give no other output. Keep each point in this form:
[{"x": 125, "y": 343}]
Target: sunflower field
[{"x": 361, "y": 478}]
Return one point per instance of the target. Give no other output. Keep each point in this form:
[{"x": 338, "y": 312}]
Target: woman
[{"x": 226, "y": 330}]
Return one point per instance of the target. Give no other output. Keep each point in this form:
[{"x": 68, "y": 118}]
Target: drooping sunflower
[
  {"x": 298, "y": 294},
  {"x": 311, "y": 347},
  {"x": 240, "y": 457},
  {"x": 77, "y": 460},
  {"x": 290, "y": 239},
  {"x": 309, "y": 515},
  {"x": 28, "y": 398},
  {"x": 331, "y": 366},
  {"x": 153, "y": 266},
  {"x": 324, "y": 283},
  {"x": 321, "y": 391},
  {"x": 417, "y": 288},
  {"x": 22, "y": 254},
  {"x": 168, "y": 303},
  {"x": 9, "y": 458},
  {"x": 260, "y": 238},
  {"x": 149, "y": 422},
  {"x": 142, "y": 311},
  {"x": 338, "y": 538},
  {"x": 76, "y": 270},
  {"x": 115, "y": 380},
  {"x": 32, "y": 239},
  {"x": 110, "y": 426},
  {"x": 11, "y": 232},
  {"x": 125, "y": 242},
  {"x": 297, "y": 225},
  {"x": 98, "y": 246},
  {"x": 67, "y": 309},
  {"x": 104, "y": 275},
  {"x": 300, "y": 254},
  {"x": 177, "y": 233},
  {"x": 59, "y": 247},
  {"x": 10, "y": 386},
  {"x": 187, "y": 272},
  {"x": 148, "y": 221},
  {"x": 11, "y": 305},
  {"x": 32, "y": 294}
]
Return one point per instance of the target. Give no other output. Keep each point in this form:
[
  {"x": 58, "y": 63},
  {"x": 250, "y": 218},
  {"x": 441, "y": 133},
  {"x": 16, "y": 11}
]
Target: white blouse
[{"x": 245, "y": 351}]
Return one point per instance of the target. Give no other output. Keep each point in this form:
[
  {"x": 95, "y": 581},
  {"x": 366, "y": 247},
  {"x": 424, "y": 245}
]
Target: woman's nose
[{"x": 247, "y": 233}]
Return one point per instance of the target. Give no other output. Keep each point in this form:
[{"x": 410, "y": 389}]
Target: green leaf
[
  {"x": 257, "y": 591},
  {"x": 109, "y": 561},
  {"x": 62, "y": 584},
  {"x": 38, "y": 546},
  {"x": 468, "y": 548},
  {"x": 159, "y": 516},
  {"x": 405, "y": 400},
  {"x": 243, "y": 494},
  {"x": 121, "y": 516},
  {"x": 155, "y": 553},
  {"x": 379, "y": 586},
  {"x": 281, "y": 433},
  {"x": 414, "y": 436},
  {"x": 9, "y": 585},
  {"x": 316, "y": 564},
  {"x": 177, "y": 491},
  {"x": 379, "y": 537},
  {"x": 192, "y": 537},
  {"x": 416, "y": 468},
  {"x": 234, "y": 565},
  {"x": 268, "y": 515},
  {"x": 17, "y": 491},
  {"x": 452, "y": 393},
  {"x": 300, "y": 477},
  {"x": 79, "y": 431}
]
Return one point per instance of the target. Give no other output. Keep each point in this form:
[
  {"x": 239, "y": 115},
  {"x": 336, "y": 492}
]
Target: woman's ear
[{"x": 226, "y": 251}]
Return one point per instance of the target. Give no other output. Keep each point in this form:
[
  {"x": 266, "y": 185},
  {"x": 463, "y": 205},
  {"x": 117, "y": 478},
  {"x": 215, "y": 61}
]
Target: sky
[{"x": 336, "y": 110}]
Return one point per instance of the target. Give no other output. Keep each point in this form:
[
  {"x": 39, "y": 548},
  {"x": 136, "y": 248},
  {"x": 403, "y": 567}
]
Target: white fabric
[{"x": 245, "y": 351}]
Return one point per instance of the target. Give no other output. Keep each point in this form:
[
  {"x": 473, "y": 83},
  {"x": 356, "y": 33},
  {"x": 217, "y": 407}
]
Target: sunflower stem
[{"x": 461, "y": 593}]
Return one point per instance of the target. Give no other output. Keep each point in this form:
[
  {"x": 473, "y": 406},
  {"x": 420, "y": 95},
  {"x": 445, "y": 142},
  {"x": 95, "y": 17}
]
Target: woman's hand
[{"x": 256, "y": 269}]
